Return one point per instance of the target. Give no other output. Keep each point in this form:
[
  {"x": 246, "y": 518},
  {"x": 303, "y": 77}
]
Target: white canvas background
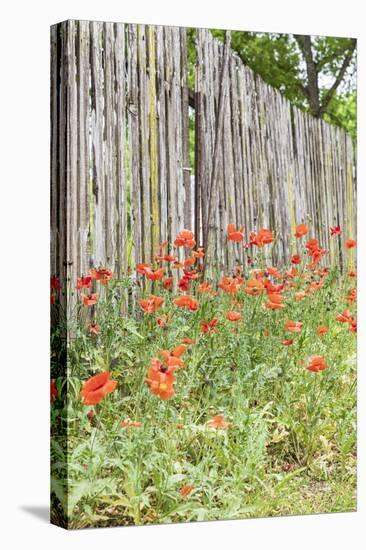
[{"x": 24, "y": 273}]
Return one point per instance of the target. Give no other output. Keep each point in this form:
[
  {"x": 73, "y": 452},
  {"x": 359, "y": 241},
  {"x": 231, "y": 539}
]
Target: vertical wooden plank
[
  {"x": 83, "y": 159},
  {"x": 97, "y": 144},
  {"x": 154, "y": 191},
  {"x": 133, "y": 115}
]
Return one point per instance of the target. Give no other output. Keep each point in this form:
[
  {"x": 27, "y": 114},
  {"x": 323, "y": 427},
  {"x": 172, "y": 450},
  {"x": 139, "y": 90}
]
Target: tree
[{"x": 317, "y": 74}]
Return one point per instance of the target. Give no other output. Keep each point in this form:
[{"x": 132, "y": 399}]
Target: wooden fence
[{"x": 120, "y": 170}]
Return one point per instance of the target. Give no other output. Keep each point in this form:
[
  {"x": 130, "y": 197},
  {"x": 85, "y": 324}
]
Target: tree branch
[{"x": 330, "y": 93}]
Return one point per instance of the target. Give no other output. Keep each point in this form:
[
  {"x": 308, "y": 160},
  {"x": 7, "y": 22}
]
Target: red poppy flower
[
  {"x": 233, "y": 316},
  {"x": 352, "y": 274},
  {"x": 316, "y": 363},
  {"x": 321, "y": 330},
  {"x": 183, "y": 284},
  {"x": 301, "y": 230},
  {"x": 55, "y": 283},
  {"x": 218, "y": 422},
  {"x": 234, "y": 234},
  {"x": 293, "y": 326},
  {"x": 54, "y": 392},
  {"x": 296, "y": 259},
  {"x": 94, "y": 328},
  {"x": 150, "y": 304},
  {"x": 84, "y": 282},
  {"x": 273, "y": 271},
  {"x": 186, "y": 490},
  {"x": 131, "y": 424},
  {"x": 287, "y": 342},
  {"x": 185, "y": 238},
  {"x": 336, "y": 230},
  {"x": 186, "y": 301},
  {"x": 96, "y": 388},
  {"x": 352, "y": 296},
  {"x": 353, "y": 327},
  {"x": 350, "y": 243},
  {"x": 209, "y": 327},
  {"x": 89, "y": 299},
  {"x": 52, "y": 299},
  {"x": 168, "y": 283}
]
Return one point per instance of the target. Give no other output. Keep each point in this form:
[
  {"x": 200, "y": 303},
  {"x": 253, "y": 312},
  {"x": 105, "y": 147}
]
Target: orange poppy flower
[
  {"x": 172, "y": 358},
  {"x": 156, "y": 275},
  {"x": 274, "y": 305},
  {"x": 140, "y": 268},
  {"x": 168, "y": 283},
  {"x": 177, "y": 265},
  {"x": 131, "y": 424},
  {"x": 84, "y": 282},
  {"x": 54, "y": 392},
  {"x": 189, "y": 261},
  {"x": 253, "y": 287},
  {"x": 352, "y": 296},
  {"x": 205, "y": 287},
  {"x": 218, "y": 422},
  {"x": 188, "y": 341},
  {"x": 186, "y": 490},
  {"x": 296, "y": 259},
  {"x": 96, "y": 388},
  {"x": 234, "y": 234},
  {"x": 149, "y": 305},
  {"x": 233, "y": 316},
  {"x": 287, "y": 342},
  {"x": 198, "y": 253},
  {"x": 344, "y": 317},
  {"x": 321, "y": 330},
  {"x": 186, "y": 301},
  {"x": 163, "y": 245},
  {"x": 94, "y": 328},
  {"x": 264, "y": 236},
  {"x": 161, "y": 383},
  {"x": 299, "y": 295},
  {"x": 316, "y": 363},
  {"x": 301, "y": 230},
  {"x": 101, "y": 274},
  {"x": 185, "y": 238},
  {"x": 273, "y": 271},
  {"x": 89, "y": 299},
  {"x": 209, "y": 327},
  {"x": 293, "y": 326},
  {"x": 231, "y": 285},
  {"x": 165, "y": 258},
  {"x": 352, "y": 274},
  {"x": 350, "y": 243}
]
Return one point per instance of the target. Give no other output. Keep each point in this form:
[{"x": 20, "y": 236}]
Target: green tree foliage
[{"x": 317, "y": 74}]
